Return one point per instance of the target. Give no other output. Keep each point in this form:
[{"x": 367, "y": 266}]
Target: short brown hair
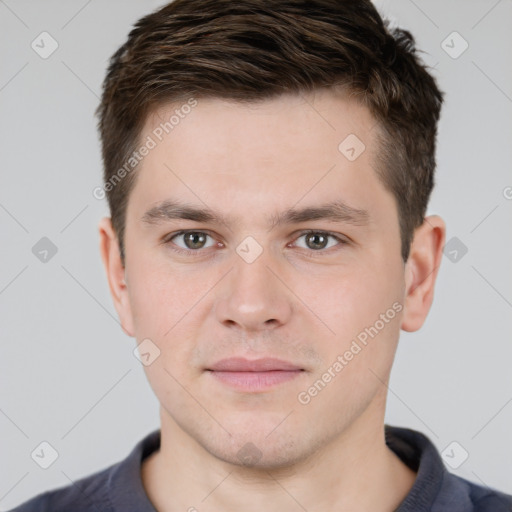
[{"x": 252, "y": 50}]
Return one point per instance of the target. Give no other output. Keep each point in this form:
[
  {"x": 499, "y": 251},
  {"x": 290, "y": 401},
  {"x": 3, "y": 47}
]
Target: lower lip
[{"x": 256, "y": 381}]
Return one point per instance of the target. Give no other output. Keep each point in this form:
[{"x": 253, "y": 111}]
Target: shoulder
[
  {"x": 117, "y": 487},
  {"x": 456, "y": 491},
  {"x": 488, "y": 500},
  {"x": 88, "y": 494},
  {"x": 435, "y": 488}
]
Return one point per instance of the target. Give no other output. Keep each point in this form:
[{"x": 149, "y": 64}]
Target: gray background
[{"x": 68, "y": 374}]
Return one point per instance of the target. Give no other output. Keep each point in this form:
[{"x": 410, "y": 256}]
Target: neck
[{"x": 356, "y": 472}]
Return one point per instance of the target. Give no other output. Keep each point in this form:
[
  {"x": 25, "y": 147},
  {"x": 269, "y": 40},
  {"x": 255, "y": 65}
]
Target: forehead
[
  {"x": 306, "y": 118},
  {"x": 309, "y": 149}
]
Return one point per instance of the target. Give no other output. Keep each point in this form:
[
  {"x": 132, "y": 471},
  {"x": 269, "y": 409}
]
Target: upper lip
[{"x": 240, "y": 364}]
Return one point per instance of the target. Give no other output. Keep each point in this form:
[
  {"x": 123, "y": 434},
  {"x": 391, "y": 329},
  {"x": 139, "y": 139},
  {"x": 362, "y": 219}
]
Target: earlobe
[
  {"x": 111, "y": 257},
  {"x": 421, "y": 271}
]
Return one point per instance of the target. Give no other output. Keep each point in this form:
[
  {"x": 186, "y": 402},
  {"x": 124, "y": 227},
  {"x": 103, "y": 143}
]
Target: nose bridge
[{"x": 252, "y": 297}]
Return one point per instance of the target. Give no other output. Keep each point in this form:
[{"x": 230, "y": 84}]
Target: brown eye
[
  {"x": 319, "y": 240},
  {"x": 194, "y": 240},
  {"x": 316, "y": 240},
  {"x": 191, "y": 240}
]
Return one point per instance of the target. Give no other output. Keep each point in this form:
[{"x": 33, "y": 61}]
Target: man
[{"x": 268, "y": 165}]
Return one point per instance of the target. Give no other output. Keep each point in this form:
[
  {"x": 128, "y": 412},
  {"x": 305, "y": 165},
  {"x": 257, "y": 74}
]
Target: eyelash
[{"x": 190, "y": 252}]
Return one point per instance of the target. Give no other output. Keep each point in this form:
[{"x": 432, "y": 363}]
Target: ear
[
  {"x": 421, "y": 271},
  {"x": 111, "y": 256}
]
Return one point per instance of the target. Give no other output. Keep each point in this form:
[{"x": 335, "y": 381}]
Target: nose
[{"x": 252, "y": 298}]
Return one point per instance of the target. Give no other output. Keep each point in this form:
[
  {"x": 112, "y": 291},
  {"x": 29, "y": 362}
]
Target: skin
[{"x": 294, "y": 302}]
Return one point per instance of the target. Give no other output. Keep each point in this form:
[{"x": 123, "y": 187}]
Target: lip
[
  {"x": 265, "y": 364},
  {"x": 254, "y": 375}
]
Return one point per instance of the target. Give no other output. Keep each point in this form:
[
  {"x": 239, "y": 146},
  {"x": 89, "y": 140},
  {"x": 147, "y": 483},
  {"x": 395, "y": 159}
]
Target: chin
[{"x": 259, "y": 449}]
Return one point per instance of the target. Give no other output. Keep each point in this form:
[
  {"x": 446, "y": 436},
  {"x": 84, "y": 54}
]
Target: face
[{"x": 276, "y": 317}]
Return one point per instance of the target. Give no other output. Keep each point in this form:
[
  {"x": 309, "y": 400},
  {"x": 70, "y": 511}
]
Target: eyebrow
[{"x": 336, "y": 211}]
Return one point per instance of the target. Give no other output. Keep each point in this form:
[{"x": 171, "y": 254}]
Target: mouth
[{"x": 254, "y": 375}]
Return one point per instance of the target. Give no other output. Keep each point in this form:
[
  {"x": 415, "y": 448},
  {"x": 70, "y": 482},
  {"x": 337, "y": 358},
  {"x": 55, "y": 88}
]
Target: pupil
[
  {"x": 192, "y": 242},
  {"x": 320, "y": 244}
]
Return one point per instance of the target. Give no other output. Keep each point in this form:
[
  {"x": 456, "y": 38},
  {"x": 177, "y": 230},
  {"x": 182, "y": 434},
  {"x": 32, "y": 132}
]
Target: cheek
[
  {"x": 358, "y": 357},
  {"x": 359, "y": 312},
  {"x": 164, "y": 301},
  {"x": 349, "y": 299},
  {"x": 161, "y": 297}
]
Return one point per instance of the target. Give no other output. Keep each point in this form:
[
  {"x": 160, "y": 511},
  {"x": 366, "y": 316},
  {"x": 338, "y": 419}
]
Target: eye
[
  {"x": 319, "y": 240},
  {"x": 191, "y": 240}
]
